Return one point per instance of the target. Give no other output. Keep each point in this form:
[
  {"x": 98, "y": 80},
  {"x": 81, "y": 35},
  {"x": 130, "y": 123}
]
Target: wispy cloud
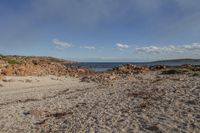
[
  {"x": 89, "y": 47},
  {"x": 170, "y": 48},
  {"x": 61, "y": 45},
  {"x": 122, "y": 46}
]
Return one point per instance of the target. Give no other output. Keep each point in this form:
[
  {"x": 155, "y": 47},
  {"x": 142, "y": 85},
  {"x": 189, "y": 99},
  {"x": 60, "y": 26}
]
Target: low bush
[
  {"x": 10, "y": 60},
  {"x": 196, "y": 74},
  {"x": 173, "y": 71}
]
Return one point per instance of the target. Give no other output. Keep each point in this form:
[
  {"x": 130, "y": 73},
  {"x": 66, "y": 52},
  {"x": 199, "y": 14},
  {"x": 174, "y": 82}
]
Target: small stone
[{"x": 39, "y": 122}]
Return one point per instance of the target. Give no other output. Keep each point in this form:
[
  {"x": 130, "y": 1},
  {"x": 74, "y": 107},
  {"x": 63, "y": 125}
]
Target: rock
[
  {"x": 130, "y": 78},
  {"x": 39, "y": 122},
  {"x": 85, "y": 79},
  {"x": 7, "y": 71},
  {"x": 35, "y": 66},
  {"x": 7, "y": 80},
  {"x": 187, "y": 66},
  {"x": 129, "y": 69},
  {"x": 157, "y": 67},
  {"x": 112, "y": 77},
  {"x": 28, "y": 81},
  {"x": 1, "y": 77},
  {"x": 81, "y": 70}
]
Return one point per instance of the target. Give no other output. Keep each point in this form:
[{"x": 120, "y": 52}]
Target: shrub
[
  {"x": 173, "y": 71},
  {"x": 196, "y": 74},
  {"x": 10, "y": 60},
  {"x": 13, "y": 62}
]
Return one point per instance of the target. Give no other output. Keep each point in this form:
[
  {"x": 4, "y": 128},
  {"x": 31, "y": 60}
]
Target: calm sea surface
[{"x": 103, "y": 66}]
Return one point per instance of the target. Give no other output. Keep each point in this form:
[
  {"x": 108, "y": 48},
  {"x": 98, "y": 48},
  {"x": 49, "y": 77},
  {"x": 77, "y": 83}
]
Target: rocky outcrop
[
  {"x": 41, "y": 66},
  {"x": 129, "y": 69},
  {"x": 186, "y": 66},
  {"x": 41, "y": 69},
  {"x": 121, "y": 72},
  {"x": 33, "y": 66},
  {"x": 195, "y": 68}
]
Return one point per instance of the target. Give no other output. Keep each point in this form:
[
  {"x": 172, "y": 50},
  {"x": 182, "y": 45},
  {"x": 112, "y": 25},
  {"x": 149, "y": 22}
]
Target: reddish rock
[
  {"x": 187, "y": 66},
  {"x": 130, "y": 69},
  {"x": 157, "y": 67}
]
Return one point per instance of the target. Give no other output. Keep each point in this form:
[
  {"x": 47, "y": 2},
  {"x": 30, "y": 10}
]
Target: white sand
[
  {"x": 22, "y": 88},
  {"x": 151, "y": 103}
]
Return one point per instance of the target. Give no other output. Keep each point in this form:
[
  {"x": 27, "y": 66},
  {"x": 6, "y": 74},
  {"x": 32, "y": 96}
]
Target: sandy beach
[
  {"x": 145, "y": 103},
  {"x": 99, "y": 66}
]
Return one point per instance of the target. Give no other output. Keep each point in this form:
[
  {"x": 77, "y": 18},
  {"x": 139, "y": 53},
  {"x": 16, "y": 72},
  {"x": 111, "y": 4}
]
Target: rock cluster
[
  {"x": 158, "y": 67},
  {"x": 186, "y": 66},
  {"x": 191, "y": 67},
  {"x": 41, "y": 66},
  {"x": 130, "y": 69},
  {"x": 121, "y": 72},
  {"x": 38, "y": 67}
]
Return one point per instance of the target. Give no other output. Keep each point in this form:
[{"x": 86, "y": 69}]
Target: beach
[
  {"x": 148, "y": 102},
  {"x": 99, "y": 66}
]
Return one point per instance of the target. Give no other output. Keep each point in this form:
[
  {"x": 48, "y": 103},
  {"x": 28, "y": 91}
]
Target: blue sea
[{"x": 103, "y": 66}]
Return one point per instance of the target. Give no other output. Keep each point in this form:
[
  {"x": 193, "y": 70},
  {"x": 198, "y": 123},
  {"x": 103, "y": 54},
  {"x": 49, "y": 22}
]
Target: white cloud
[
  {"x": 122, "y": 46},
  {"x": 89, "y": 47},
  {"x": 61, "y": 45},
  {"x": 170, "y": 48}
]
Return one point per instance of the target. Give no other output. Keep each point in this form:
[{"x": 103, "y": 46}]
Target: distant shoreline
[{"x": 103, "y": 66}]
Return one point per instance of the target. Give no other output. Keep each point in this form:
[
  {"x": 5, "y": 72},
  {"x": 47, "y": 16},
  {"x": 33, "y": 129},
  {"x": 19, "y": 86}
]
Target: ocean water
[{"x": 103, "y": 66}]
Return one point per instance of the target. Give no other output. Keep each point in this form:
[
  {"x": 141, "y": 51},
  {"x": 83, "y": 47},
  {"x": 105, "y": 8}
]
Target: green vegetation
[
  {"x": 195, "y": 71},
  {"x": 10, "y": 60},
  {"x": 196, "y": 74},
  {"x": 176, "y": 71},
  {"x": 14, "y": 59},
  {"x": 1, "y": 56},
  {"x": 173, "y": 71}
]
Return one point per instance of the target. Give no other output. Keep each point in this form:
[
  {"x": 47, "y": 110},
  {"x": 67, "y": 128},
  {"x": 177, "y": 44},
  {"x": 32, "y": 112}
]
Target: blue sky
[{"x": 101, "y": 30}]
